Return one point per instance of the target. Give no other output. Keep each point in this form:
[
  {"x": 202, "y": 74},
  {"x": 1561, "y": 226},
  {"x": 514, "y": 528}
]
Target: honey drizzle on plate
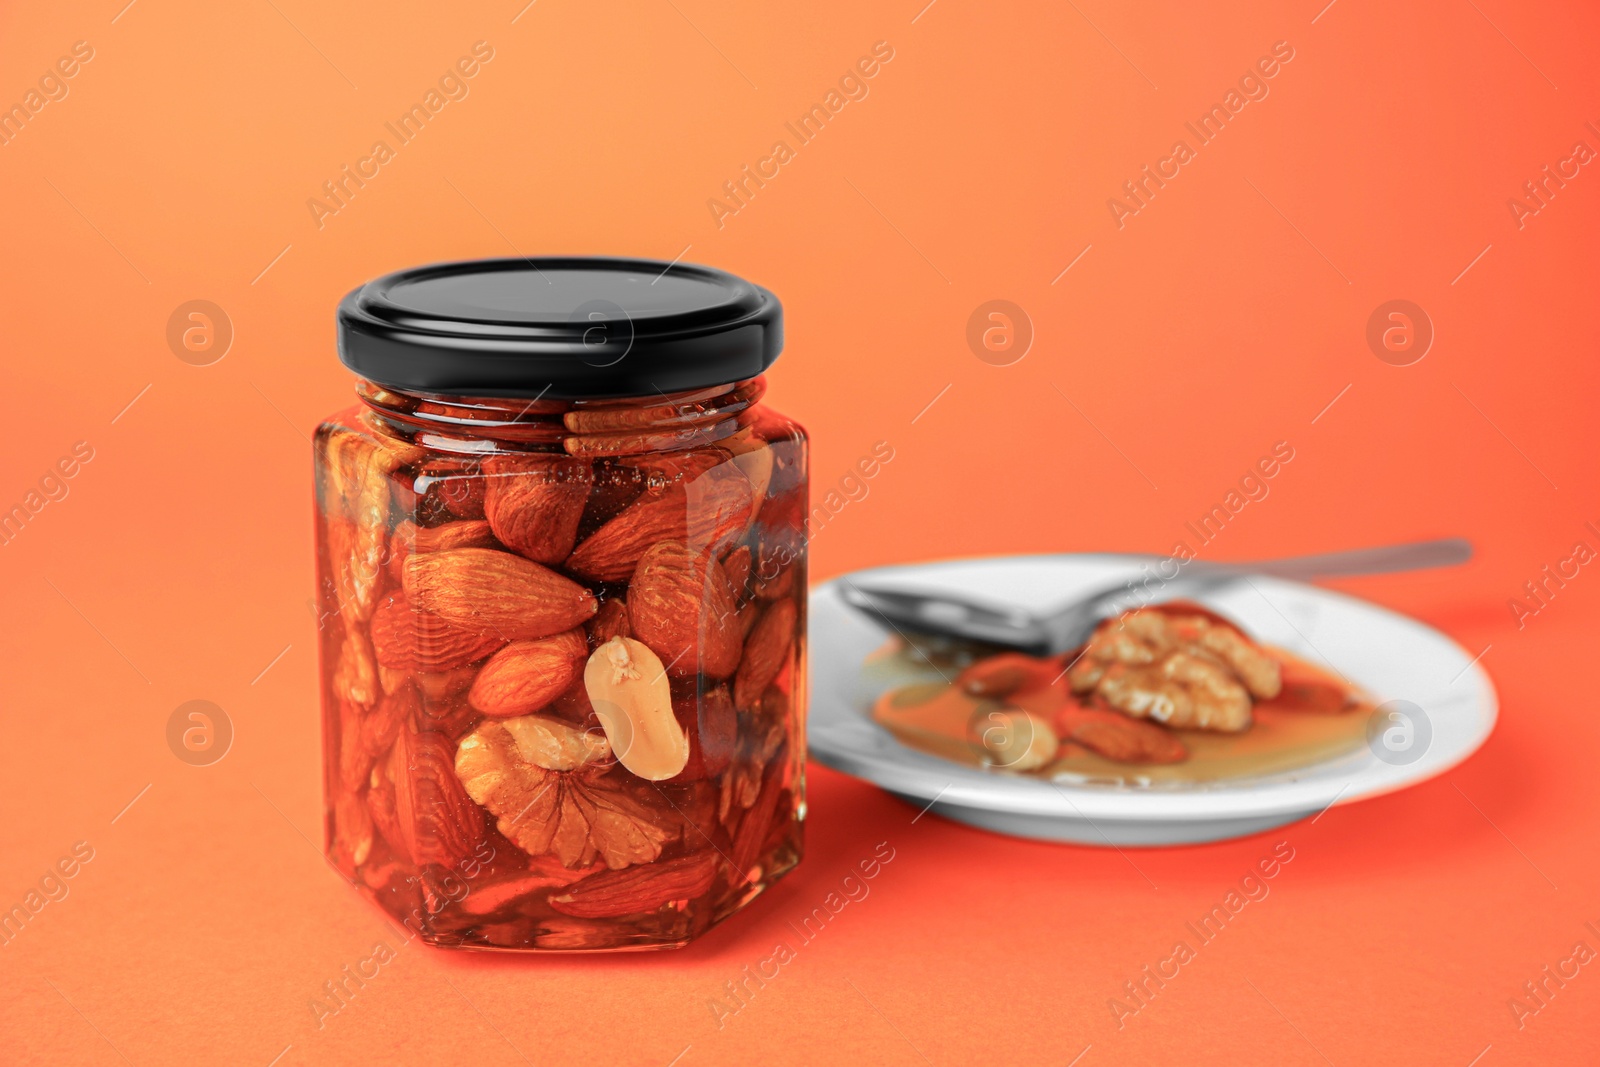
[{"x": 935, "y": 717}]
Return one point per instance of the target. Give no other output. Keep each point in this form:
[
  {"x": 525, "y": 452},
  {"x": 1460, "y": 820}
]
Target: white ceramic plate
[{"x": 1392, "y": 657}]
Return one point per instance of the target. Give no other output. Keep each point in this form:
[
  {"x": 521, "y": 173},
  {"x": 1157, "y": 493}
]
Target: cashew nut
[
  {"x": 628, "y": 687},
  {"x": 1014, "y": 739}
]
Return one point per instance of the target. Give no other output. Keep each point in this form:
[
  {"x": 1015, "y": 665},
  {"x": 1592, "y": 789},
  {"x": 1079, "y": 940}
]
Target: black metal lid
[{"x": 560, "y": 327}]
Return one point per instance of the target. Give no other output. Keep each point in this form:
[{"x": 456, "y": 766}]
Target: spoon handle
[
  {"x": 1418, "y": 555},
  {"x": 952, "y": 615}
]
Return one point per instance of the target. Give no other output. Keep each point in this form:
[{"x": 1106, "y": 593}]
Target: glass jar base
[{"x": 670, "y": 927}]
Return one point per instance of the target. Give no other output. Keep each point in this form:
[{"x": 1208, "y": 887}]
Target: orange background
[{"x": 1223, "y": 317}]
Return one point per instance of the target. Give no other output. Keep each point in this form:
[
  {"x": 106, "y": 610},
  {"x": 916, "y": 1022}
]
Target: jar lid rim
[{"x": 562, "y": 327}]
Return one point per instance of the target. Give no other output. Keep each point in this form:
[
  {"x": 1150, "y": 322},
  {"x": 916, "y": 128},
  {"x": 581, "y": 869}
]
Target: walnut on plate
[{"x": 1185, "y": 671}]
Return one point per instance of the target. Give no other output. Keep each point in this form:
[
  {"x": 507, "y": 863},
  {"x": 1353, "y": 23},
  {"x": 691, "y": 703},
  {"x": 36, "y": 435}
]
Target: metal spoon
[{"x": 949, "y": 615}]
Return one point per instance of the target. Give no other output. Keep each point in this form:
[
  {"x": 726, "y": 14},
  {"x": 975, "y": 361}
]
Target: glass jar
[{"x": 561, "y": 579}]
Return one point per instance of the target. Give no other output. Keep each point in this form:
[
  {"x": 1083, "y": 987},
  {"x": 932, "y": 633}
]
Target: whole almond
[
  {"x": 526, "y": 675},
  {"x": 1117, "y": 737},
  {"x": 408, "y": 537},
  {"x": 611, "y": 553},
  {"x": 755, "y": 457},
  {"x": 758, "y": 823},
  {"x": 534, "y": 503},
  {"x": 408, "y": 639},
  {"x": 736, "y": 565},
  {"x": 355, "y": 760},
  {"x": 437, "y": 821},
  {"x": 383, "y": 723},
  {"x": 356, "y": 472},
  {"x": 778, "y": 586},
  {"x": 355, "y": 678},
  {"x": 497, "y": 592},
  {"x": 713, "y": 727},
  {"x": 681, "y": 605},
  {"x": 721, "y": 506},
  {"x": 704, "y": 510},
  {"x": 765, "y": 651},
  {"x": 637, "y": 890}
]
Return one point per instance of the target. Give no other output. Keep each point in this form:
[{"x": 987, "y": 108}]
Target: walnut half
[
  {"x": 551, "y": 788},
  {"x": 1184, "y": 671}
]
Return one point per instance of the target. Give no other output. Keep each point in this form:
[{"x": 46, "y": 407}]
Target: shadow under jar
[{"x": 561, "y": 588}]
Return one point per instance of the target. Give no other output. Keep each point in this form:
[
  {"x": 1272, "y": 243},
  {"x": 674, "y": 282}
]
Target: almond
[
  {"x": 357, "y": 470},
  {"x": 778, "y": 586},
  {"x": 406, "y": 639},
  {"x": 758, "y": 823},
  {"x": 612, "y": 552},
  {"x": 497, "y": 592},
  {"x": 408, "y": 537},
  {"x": 680, "y": 604},
  {"x": 765, "y": 651},
  {"x": 381, "y": 725},
  {"x": 352, "y": 833},
  {"x": 712, "y": 724},
  {"x": 736, "y": 565},
  {"x": 534, "y": 503},
  {"x": 704, "y": 510},
  {"x": 437, "y": 821},
  {"x": 354, "y": 759},
  {"x": 721, "y": 506},
  {"x": 1005, "y": 673},
  {"x": 356, "y": 677},
  {"x": 526, "y": 675},
  {"x": 514, "y": 889},
  {"x": 1117, "y": 737},
  {"x": 637, "y": 890},
  {"x": 610, "y": 621},
  {"x": 755, "y": 457}
]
